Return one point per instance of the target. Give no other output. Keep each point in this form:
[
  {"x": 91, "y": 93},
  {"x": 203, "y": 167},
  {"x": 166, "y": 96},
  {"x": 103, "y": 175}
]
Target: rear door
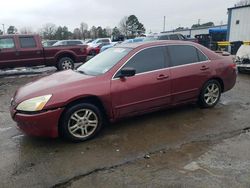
[
  {"x": 8, "y": 56},
  {"x": 148, "y": 89},
  {"x": 190, "y": 69},
  {"x": 30, "y": 53}
]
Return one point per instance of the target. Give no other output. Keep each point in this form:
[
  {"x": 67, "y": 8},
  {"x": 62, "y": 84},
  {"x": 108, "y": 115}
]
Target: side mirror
[
  {"x": 127, "y": 72},
  {"x": 225, "y": 54}
]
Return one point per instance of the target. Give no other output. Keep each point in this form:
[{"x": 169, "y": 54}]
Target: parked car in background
[
  {"x": 88, "y": 40},
  {"x": 27, "y": 50},
  {"x": 138, "y": 39},
  {"x": 69, "y": 43},
  {"x": 165, "y": 36},
  {"x": 123, "y": 81},
  {"x": 243, "y": 58},
  {"x": 48, "y": 43},
  {"x": 105, "y": 47},
  {"x": 95, "y": 46}
]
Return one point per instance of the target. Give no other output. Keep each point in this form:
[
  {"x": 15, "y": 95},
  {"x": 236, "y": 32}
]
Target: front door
[
  {"x": 8, "y": 56},
  {"x": 148, "y": 89}
]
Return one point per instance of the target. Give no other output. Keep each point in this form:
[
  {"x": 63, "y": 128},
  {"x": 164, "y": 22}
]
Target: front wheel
[
  {"x": 81, "y": 122},
  {"x": 65, "y": 63},
  {"x": 210, "y": 94}
]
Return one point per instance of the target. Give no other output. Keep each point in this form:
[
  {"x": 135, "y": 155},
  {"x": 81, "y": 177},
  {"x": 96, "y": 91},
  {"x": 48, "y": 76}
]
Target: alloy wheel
[
  {"x": 212, "y": 94},
  {"x": 67, "y": 64},
  {"x": 83, "y": 123}
]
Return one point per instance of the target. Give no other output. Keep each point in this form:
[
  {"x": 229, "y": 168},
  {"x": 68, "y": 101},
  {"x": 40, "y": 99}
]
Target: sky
[{"x": 36, "y": 13}]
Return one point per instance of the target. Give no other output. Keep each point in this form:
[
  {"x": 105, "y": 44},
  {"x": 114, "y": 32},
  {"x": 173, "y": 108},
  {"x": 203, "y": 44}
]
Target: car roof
[{"x": 153, "y": 43}]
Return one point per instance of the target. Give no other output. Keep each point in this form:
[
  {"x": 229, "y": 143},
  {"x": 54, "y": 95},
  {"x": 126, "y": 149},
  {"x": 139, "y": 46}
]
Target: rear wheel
[
  {"x": 210, "y": 94},
  {"x": 81, "y": 122},
  {"x": 65, "y": 63}
]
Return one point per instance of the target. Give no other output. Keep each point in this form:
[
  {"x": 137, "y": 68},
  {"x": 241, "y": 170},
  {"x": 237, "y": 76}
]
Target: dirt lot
[{"x": 182, "y": 147}]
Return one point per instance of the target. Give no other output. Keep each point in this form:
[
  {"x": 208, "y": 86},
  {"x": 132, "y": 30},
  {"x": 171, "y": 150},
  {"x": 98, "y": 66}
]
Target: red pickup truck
[{"x": 27, "y": 50}]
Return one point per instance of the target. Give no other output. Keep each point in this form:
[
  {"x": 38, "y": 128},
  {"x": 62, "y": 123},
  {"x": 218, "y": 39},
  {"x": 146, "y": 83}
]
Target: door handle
[
  {"x": 204, "y": 68},
  {"x": 17, "y": 53},
  {"x": 162, "y": 77},
  {"x": 38, "y": 52}
]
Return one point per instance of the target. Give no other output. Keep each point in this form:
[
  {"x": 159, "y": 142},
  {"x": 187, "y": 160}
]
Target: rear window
[
  {"x": 7, "y": 43},
  {"x": 74, "y": 42},
  {"x": 27, "y": 42},
  {"x": 184, "y": 54}
]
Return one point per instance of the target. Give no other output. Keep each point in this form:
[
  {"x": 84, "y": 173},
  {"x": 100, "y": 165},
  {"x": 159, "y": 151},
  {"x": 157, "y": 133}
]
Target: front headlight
[{"x": 34, "y": 104}]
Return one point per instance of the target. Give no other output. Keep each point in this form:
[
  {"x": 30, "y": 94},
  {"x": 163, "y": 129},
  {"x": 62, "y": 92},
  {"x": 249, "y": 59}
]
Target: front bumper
[
  {"x": 44, "y": 124},
  {"x": 244, "y": 67}
]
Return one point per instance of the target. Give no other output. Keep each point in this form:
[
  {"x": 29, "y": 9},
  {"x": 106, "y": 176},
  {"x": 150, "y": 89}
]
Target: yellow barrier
[
  {"x": 246, "y": 42},
  {"x": 227, "y": 43},
  {"x": 224, "y": 43}
]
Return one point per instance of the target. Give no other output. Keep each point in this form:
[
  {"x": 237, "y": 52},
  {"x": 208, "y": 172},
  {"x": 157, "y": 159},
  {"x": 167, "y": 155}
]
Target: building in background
[
  {"x": 191, "y": 33},
  {"x": 239, "y": 23}
]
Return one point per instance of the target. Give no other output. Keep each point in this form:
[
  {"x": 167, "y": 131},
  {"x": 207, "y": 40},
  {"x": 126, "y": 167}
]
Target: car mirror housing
[{"x": 127, "y": 72}]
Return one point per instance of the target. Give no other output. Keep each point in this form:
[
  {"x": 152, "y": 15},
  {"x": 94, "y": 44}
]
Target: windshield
[{"x": 103, "y": 62}]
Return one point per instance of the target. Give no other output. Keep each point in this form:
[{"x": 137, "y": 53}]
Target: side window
[
  {"x": 182, "y": 54},
  {"x": 105, "y": 40},
  {"x": 27, "y": 42},
  {"x": 7, "y": 43},
  {"x": 164, "y": 37},
  {"x": 174, "y": 37},
  {"x": 148, "y": 60},
  {"x": 201, "y": 56}
]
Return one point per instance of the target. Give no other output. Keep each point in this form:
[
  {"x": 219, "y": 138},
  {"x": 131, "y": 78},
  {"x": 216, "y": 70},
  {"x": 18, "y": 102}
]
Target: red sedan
[{"x": 123, "y": 81}]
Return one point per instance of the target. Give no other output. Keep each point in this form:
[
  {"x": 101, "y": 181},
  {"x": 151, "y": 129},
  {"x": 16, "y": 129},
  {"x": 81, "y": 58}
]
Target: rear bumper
[{"x": 44, "y": 124}]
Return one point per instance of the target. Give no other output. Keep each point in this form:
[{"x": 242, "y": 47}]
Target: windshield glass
[{"x": 103, "y": 62}]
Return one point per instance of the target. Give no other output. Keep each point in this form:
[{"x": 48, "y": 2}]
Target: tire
[
  {"x": 75, "y": 122},
  {"x": 65, "y": 63},
  {"x": 210, "y": 94}
]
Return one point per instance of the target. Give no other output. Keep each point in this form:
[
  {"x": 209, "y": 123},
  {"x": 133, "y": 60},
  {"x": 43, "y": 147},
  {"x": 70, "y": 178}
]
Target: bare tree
[
  {"x": 77, "y": 33},
  {"x": 84, "y": 30},
  {"x": 123, "y": 26},
  {"x": 26, "y": 30},
  {"x": 48, "y": 31},
  {"x": 242, "y": 3},
  {"x": 108, "y": 31}
]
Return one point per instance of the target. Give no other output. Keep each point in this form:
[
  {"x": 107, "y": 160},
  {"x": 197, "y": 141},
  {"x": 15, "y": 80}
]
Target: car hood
[{"x": 53, "y": 84}]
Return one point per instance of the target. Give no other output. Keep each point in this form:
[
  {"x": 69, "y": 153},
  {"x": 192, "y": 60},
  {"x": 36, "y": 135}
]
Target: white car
[{"x": 243, "y": 58}]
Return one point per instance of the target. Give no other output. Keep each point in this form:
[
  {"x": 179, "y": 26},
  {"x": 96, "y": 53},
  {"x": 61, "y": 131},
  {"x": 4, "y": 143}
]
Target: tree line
[{"x": 129, "y": 27}]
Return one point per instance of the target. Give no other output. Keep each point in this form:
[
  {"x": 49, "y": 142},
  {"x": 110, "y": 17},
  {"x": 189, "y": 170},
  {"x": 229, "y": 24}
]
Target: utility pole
[
  {"x": 164, "y": 24},
  {"x": 3, "y": 29}
]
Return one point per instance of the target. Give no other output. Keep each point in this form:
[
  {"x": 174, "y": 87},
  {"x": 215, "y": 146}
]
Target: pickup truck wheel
[
  {"x": 210, "y": 94},
  {"x": 65, "y": 63},
  {"x": 81, "y": 122}
]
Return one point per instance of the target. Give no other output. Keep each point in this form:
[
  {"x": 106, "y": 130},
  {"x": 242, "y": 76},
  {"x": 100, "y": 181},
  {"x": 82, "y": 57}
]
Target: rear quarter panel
[{"x": 53, "y": 53}]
